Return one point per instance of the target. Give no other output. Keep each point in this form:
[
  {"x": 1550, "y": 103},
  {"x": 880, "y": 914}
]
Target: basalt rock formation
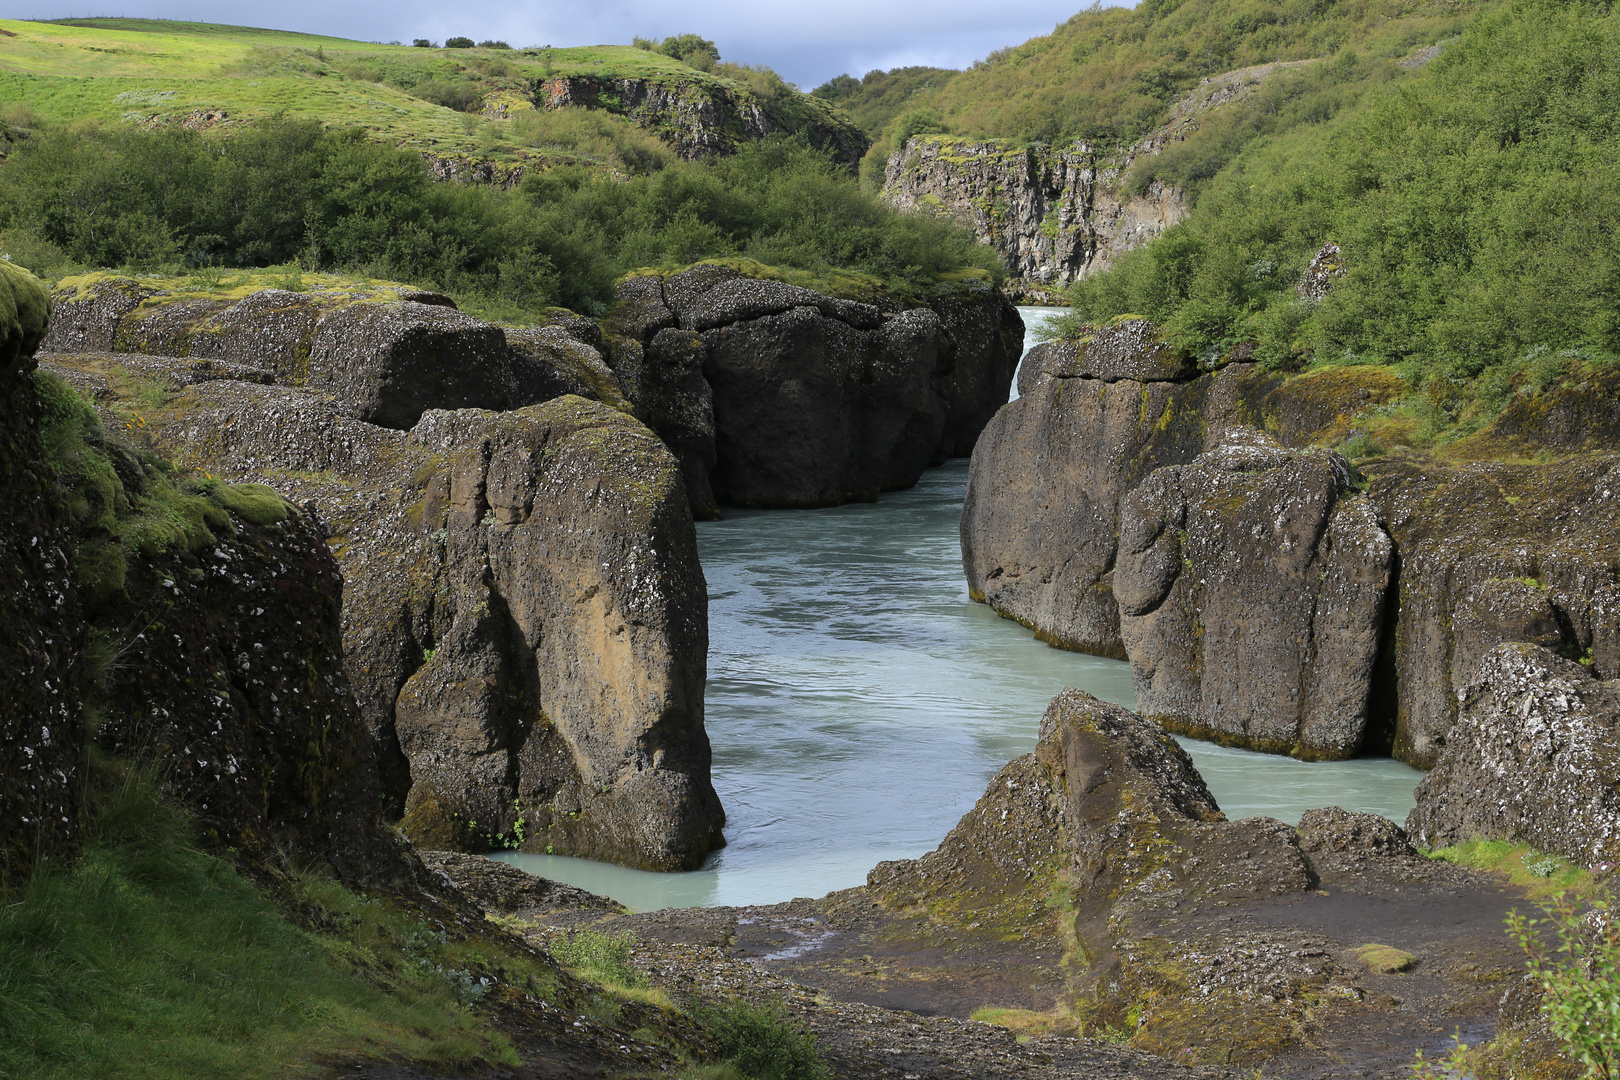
[
  {"x": 1532, "y": 758},
  {"x": 1251, "y": 590},
  {"x": 383, "y": 353},
  {"x": 524, "y": 618},
  {"x": 1192, "y": 933},
  {"x": 194, "y": 623},
  {"x": 1093, "y": 418},
  {"x": 773, "y": 394},
  {"x": 1366, "y": 598}
]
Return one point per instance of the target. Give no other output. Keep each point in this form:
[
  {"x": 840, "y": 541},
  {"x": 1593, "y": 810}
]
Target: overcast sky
[{"x": 807, "y": 41}]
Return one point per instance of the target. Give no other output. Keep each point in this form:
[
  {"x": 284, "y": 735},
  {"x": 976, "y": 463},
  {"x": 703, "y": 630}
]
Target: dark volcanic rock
[
  {"x": 525, "y": 619},
  {"x": 271, "y": 329},
  {"x": 41, "y": 730},
  {"x": 1534, "y": 758},
  {"x": 499, "y": 887},
  {"x": 811, "y": 400},
  {"x": 1251, "y": 586},
  {"x": 386, "y": 363},
  {"x": 548, "y": 362},
  {"x": 87, "y": 313},
  {"x": 1040, "y": 520},
  {"x": 1488, "y": 554}
]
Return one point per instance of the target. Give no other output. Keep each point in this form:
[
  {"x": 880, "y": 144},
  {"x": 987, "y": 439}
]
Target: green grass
[
  {"x": 1542, "y": 874},
  {"x": 138, "y": 70},
  {"x": 151, "y": 958}
]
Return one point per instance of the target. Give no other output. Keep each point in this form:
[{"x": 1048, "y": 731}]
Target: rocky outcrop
[
  {"x": 1533, "y": 758},
  {"x": 1490, "y": 553},
  {"x": 776, "y": 395},
  {"x": 41, "y": 733},
  {"x": 1040, "y": 521},
  {"x": 383, "y": 353},
  {"x": 1085, "y": 510},
  {"x": 703, "y": 116},
  {"x": 1192, "y": 936},
  {"x": 1057, "y": 213},
  {"x": 1250, "y": 585},
  {"x": 525, "y": 619}
]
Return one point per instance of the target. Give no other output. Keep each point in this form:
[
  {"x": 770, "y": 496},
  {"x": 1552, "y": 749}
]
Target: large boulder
[
  {"x": 41, "y": 732},
  {"x": 525, "y": 623},
  {"x": 1251, "y": 585},
  {"x": 1533, "y": 758},
  {"x": 386, "y": 363}
]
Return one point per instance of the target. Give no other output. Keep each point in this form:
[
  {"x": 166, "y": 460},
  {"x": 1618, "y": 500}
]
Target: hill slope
[{"x": 458, "y": 105}]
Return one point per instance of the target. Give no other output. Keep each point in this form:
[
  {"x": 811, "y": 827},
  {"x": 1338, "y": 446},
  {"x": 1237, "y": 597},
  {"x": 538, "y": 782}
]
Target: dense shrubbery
[
  {"x": 1476, "y": 202},
  {"x": 289, "y": 190}
]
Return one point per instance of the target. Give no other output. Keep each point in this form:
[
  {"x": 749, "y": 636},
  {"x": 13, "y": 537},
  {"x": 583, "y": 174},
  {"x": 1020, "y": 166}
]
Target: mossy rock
[
  {"x": 25, "y": 312},
  {"x": 1386, "y": 959}
]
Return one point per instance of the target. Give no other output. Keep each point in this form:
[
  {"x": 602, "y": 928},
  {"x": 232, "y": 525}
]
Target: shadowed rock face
[
  {"x": 1493, "y": 553},
  {"x": 525, "y": 618},
  {"x": 776, "y": 395},
  {"x": 1533, "y": 758},
  {"x": 1251, "y": 592},
  {"x": 41, "y": 731}
]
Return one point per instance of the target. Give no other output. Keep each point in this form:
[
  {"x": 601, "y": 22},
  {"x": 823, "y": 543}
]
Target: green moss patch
[
  {"x": 1539, "y": 873},
  {"x": 1385, "y": 959}
]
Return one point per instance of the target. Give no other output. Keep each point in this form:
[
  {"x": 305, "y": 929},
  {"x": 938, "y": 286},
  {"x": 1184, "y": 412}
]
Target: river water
[{"x": 858, "y": 702}]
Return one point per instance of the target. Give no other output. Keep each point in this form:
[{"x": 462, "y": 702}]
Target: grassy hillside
[
  {"x": 1476, "y": 202},
  {"x": 877, "y": 97},
  {"x": 453, "y": 103}
]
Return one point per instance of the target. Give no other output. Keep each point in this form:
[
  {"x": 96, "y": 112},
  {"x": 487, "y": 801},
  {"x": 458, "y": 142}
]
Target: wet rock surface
[
  {"x": 1533, "y": 759},
  {"x": 1251, "y": 589},
  {"x": 524, "y": 618}
]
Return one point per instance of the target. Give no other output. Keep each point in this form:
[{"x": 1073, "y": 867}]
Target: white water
[{"x": 858, "y": 702}]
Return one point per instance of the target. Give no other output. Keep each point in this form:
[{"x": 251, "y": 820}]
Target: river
[{"x": 858, "y": 702}]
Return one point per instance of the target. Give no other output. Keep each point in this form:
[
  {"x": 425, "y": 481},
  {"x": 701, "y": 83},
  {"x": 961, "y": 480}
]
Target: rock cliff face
[
  {"x": 776, "y": 395},
  {"x": 700, "y": 119},
  {"x": 1040, "y": 522},
  {"x": 1368, "y": 601},
  {"x": 41, "y": 734},
  {"x": 1533, "y": 758},
  {"x": 525, "y": 618},
  {"x": 1251, "y": 589},
  {"x": 194, "y": 623},
  {"x": 1053, "y": 214},
  {"x": 1056, "y": 213}
]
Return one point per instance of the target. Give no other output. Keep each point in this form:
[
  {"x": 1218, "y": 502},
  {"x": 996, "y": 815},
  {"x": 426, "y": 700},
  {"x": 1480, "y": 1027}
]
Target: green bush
[
  {"x": 1579, "y": 978},
  {"x": 761, "y": 1041},
  {"x": 287, "y": 191},
  {"x": 458, "y": 43}
]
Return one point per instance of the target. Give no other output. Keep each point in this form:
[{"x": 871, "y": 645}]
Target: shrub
[
  {"x": 762, "y": 1042},
  {"x": 605, "y": 957},
  {"x": 1579, "y": 978},
  {"x": 458, "y": 43},
  {"x": 423, "y": 43}
]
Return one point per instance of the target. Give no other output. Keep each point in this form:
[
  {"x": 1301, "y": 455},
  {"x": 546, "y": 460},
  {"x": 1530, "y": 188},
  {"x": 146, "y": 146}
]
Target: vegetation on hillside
[
  {"x": 877, "y": 97},
  {"x": 290, "y": 191},
  {"x": 459, "y": 102},
  {"x": 1475, "y": 202}
]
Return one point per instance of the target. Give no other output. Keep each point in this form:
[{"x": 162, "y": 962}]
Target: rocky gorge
[{"x": 524, "y": 613}]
